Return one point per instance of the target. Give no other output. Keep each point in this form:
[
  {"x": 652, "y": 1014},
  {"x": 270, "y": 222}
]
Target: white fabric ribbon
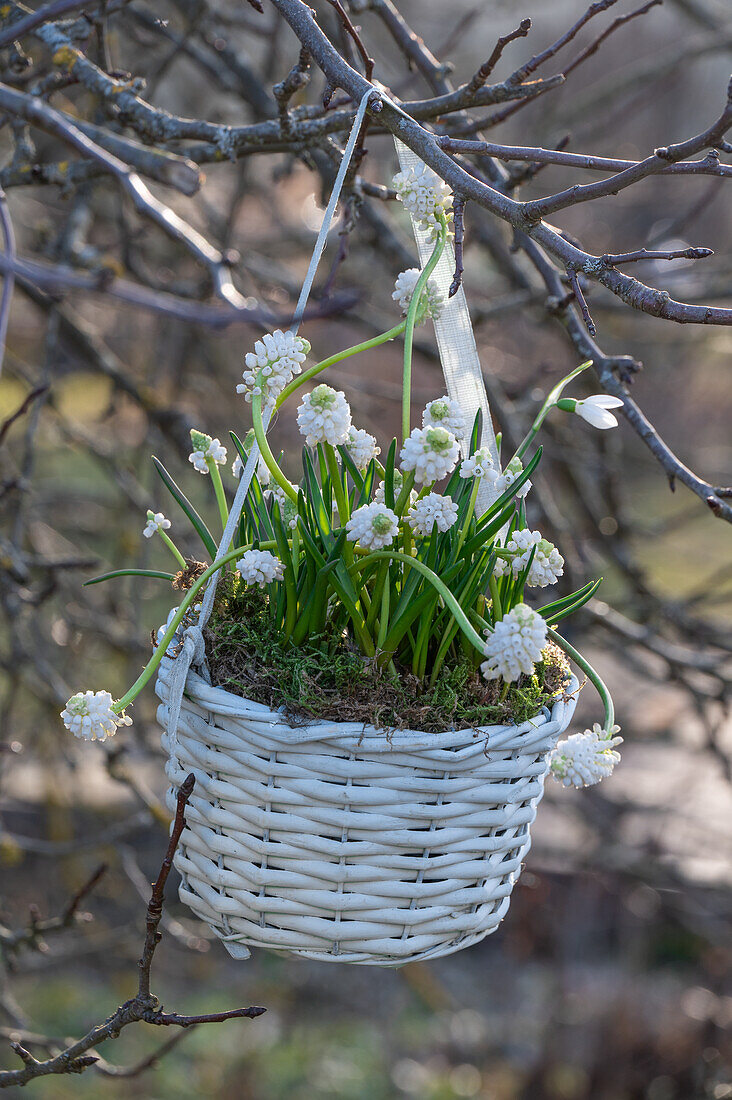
[{"x": 455, "y": 340}]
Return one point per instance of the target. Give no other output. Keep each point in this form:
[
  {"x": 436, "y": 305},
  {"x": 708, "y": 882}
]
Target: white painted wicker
[{"x": 344, "y": 843}]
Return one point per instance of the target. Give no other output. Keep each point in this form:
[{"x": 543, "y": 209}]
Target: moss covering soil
[{"x": 328, "y": 679}]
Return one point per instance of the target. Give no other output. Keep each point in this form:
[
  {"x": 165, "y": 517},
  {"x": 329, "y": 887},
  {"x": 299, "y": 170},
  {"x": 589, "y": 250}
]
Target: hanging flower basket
[
  {"x": 344, "y": 843},
  {"x": 338, "y": 840}
]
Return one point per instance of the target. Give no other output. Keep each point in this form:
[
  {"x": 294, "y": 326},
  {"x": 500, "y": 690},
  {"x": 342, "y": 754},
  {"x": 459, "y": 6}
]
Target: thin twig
[
  {"x": 458, "y": 207},
  {"x": 580, "y": 299}
]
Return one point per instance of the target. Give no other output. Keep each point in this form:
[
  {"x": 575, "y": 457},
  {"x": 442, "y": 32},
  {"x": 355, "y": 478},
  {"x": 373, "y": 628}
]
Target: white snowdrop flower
[
  {"x": 548, "y": 564},
  {"x": 515, "y": 645},
  {"x": 424, "y": 195},
  {"x": 478, "y": 465},
  {"x": 156, "y": 521},
  {"x": 263, "y": 473},
  {"x": 361, "y": 447},
  {"x": 373, "y": 526},
  {"x": 586, "y": 758},
  {"x": 275, "y": 361},
  {"x": 501, "y": 482},
  {"x": 260, "y": 567},
  {"x": 430, "y": 510},
  {"x": 324, "y": 417},
  {"x": 431, "y": 452},
  {"x": 431, "y": 303},
  {"x": 205, "y": 447},
  {"x": 595, "y": 409},
  {"x": 444, "y": 413},
  {"x": 380, "y": 494},
  {"x": 89, "y": 715}
]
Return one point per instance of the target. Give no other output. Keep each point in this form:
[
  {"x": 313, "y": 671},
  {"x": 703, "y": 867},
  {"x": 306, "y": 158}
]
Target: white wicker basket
[{"x": 344, "y": 843}]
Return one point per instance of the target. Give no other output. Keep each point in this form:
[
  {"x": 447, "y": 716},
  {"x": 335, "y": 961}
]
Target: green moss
[{"x": 327, "y": 678}]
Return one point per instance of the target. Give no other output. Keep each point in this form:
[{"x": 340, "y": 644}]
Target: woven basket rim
[{"x": 227, "y": 704}]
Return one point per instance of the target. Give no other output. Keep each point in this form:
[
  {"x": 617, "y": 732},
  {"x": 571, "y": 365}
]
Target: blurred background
[{"x": 610, "y": 977}]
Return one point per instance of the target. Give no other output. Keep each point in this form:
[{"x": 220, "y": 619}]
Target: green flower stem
[
  {"x": 266, "y": 453},
  {"x": 411, "y": 321},
  {"x": 344, "y": 513},
  {"x": 547, "y": 407},
  {"x": 602, "y": 689},
  {"x": 496, "y": 599},
  {"x": 213, "y": 469},
  {"x": 468, "y": 516},
  {"x": 167, "y": 638},
  {"x": 450, "y": 601},
  {"x": 311, "y": 372},
  {"x": 173, "y": 548},
  {"x": 384, "y": 615}
]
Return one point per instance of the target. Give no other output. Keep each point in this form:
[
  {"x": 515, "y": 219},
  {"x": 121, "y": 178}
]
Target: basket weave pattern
[{"x": 340, "y": 842}]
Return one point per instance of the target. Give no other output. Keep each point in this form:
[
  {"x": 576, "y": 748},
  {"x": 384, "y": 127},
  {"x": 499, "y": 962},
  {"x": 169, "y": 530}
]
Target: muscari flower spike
[
  {"x": 514, "y": 645},
  {"x": 275, "y": 361},
  {"x": 548, "y": 564},
  {"x": 444, "y": 413},
  {"x": 361, "y": 447},
  {"x": 431, "y": 302},
  {"x": 584, "y": 759},
  {"x": 373, "y": 526},
  {"x": 478, "y": 465},
  {"x": 503, "y": 481},
  {"x": 204, "y": 447},
  {"x": 260, "y": 567},
  {"x": 425, "y": 196},
  {"x": 431, "y": 452},
  {"x": 324, "y": 417},
  {"x": 89, "y": 715},
  {"x": 430, "y": 510},
  {"x": 156, "y": 521}
]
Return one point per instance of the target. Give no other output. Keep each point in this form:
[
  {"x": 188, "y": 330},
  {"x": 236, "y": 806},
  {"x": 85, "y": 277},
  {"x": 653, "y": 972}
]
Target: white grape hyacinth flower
[
  {"x": 361, "y": 447},
  {"x": 478, "y": 465},
  {"x": 430, "y": 510},
  {"x": 431, "y": 452},
  {"x": 260, "y": 567},
  {"x": 443, "y": 412},
  {"x": 156, "y": 521},
  {"x": 204, "y": 447},
  {"x": 324, "y": 417},
  {"x": 548, "y": 564},
  {"x": 596, "y": 410},
  {"x": 275, "y": 361},
  {"x": 373, "y": 526},
  {"x": 586, "y": 758},
  {"x": 431, "y": 303},
  {"x": 263, "y": 472},
  {"x": 503, "y": 481},
  {"x": 425, "y": 196},
  {"x": 89, "y": 715},
  {"x": 514, "y": 645}
]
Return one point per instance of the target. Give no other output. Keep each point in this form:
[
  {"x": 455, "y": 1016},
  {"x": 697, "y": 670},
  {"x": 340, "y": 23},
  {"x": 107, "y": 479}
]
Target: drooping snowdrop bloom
[
  {"x": 479, "y": 464},
  {"x": 275, "y": 361},
  {"x": 430, "y": 510},
  {"x": 501, "y": 482},
  {"x": 548, "y": 564},
  {"x": 444, "y": 413},
  {"x": 361, "y": 447},
  {"x": 595, "y": 409},
  {"x": 260, "y": 567},
  {"x": 89, "y": 715},
  {"x": 156, "y": 521},
  {"x": 431, "y": 452},
  {"x": 586, "y": 758},
  {"x": 431, "y": 303},
  {"x": 324, "y": 417},
  {"x": 424, "y": 195},
  {"x": 205, "y": 447},
  {"x": 373, "y": 526},
  {"x": 515, "y": 645},
  {"x": 263, "y": 474}
]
